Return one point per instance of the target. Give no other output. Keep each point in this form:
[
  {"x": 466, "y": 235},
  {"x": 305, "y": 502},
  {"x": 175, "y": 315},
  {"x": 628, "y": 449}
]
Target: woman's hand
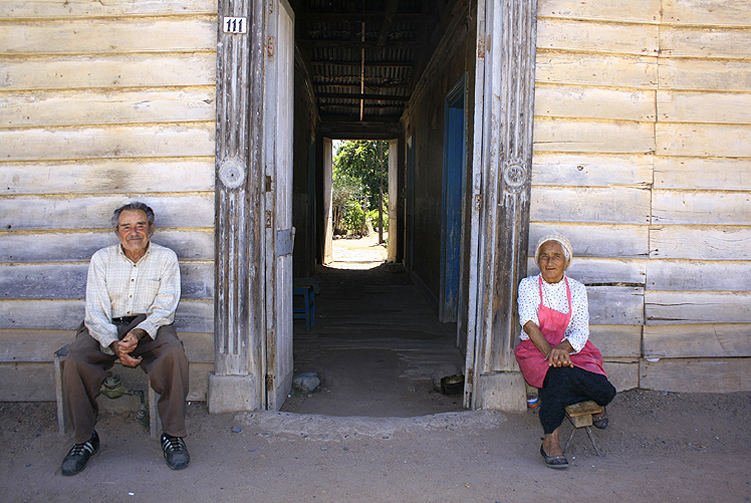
[{"x": 559, "y": 355}]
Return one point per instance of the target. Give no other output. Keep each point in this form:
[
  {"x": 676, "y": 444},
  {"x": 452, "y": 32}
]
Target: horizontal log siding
[
  {"x": 101, "y": 104},
  {"x": 642, "y": 120}
]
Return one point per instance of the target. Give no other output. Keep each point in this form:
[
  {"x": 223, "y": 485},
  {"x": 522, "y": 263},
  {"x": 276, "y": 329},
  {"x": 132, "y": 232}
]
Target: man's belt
[{"x": 123, "y": 320}]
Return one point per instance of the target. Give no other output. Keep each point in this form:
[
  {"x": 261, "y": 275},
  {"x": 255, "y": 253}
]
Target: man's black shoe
[
  {"x": 175, "y": 452},
  {"x": 78, "y": 455}
]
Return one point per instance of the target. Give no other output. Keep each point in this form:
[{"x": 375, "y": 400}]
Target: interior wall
[
  {"x": 305, "y": 203},
  {"x": 424, "y": 120}
]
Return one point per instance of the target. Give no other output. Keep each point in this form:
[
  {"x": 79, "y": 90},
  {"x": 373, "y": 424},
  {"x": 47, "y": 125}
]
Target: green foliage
[
  {"x": 354, "y": 218},
  {"x": 372, "y": 216},
  {"x": 366, "y": 161}
]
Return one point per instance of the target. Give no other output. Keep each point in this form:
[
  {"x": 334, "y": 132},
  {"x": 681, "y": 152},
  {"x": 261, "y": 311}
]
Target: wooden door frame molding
[
  {"x": 239, "y": 223},
  {"x": 501, "y": 189}
]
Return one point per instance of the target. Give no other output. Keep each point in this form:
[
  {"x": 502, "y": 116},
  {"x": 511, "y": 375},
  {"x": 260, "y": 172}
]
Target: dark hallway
[{"x": 377, "y": 346}]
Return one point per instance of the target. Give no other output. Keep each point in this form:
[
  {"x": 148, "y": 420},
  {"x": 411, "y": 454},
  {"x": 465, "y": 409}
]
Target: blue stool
[{"x": 308, "y": 312}]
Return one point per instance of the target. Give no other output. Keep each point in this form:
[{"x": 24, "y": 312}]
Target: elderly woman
[{"x": 555, "y": 354}]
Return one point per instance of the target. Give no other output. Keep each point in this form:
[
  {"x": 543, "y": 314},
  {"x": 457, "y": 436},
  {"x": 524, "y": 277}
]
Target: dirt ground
[{"x": 659, "y": 447}]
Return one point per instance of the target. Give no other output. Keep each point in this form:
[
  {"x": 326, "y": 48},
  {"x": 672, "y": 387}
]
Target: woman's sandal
[
  {"x": 600, "y": 421},
  {"x": 556, "y": 462}
]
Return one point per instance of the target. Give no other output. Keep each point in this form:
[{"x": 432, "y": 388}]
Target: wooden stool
[
  {"x": 62, "y": 408},
  {"x": 580, "y": 416}
]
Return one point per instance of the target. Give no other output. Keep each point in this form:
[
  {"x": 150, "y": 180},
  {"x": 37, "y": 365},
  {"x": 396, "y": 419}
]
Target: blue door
[{"x": 454, "y": 163}]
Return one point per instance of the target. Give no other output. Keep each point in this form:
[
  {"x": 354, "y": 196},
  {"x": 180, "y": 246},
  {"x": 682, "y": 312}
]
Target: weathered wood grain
[
  {"x": 705, "y": 207},
  {"x": 601, "y": 271},
  {"x": 597, "y": 36},
  {"x": 162, "y": 140},
  {"x": 709, "y": 42},
  {"x": 700, "y": 243},
  {"x": 594, "y": 103},
  {"x": 64, "y": 212},
  {"x": 567, "y": 135},
  {"x": 644, "y": 11},
  {"x": 697, "y": 340},
  {"x": 664, "y": 307},
  {"x": 504, "y": 120},
  {"x": 39, "y": 346},
  {"x": 616, "y": 305},
  {"x": 623, "y": 374},
  {"x": 617, "y": 340},
  {"x": 705, "y": 140},
  {"x": 191, "y": 316},
  {"x": 107, "y": 176},
  {"x": 96, "y": 106},
  {"x": 76, "y": 246},
  {"x": 702, "y": 173},
  {"x": 72, "y": 72},
  {"x": 623, "y": 241},
  {"x": 699, "y": 275},
  {"x": 596, "y": 69},
  {"x": 704, "y": 75},
  {"x": 239, "y": 316},
  {"x": 68, "y": 281},
  {"x": 707, "y": 12},
  {"x": 696, "y": 375},
  {"x": 703, "y": 106},
  {"x": 85, "y": 8},
  {"x": 109, "y": 35},
  {"x": 590, "y": 170},
  {"x": 617, "y": 205}
]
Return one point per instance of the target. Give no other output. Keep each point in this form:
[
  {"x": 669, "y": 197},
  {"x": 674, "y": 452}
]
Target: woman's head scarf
[{"x": 568, "y": 250}]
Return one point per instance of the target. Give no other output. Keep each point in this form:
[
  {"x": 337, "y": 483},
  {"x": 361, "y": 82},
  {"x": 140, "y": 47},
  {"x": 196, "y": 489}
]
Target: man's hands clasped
[{"x": 124, "y": 347}]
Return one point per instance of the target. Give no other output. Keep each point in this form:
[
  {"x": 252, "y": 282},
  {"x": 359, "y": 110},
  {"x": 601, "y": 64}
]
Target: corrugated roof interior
[{"x": 364, "y": 57}]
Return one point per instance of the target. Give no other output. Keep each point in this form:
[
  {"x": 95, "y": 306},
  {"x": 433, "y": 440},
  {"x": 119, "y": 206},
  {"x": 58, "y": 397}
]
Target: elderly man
[{"x": 132, "y": 292}]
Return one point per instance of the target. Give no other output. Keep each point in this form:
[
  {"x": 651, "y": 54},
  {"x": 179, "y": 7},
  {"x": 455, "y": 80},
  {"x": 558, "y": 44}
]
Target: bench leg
[
  {"x": 155, "y": 424},
  {"x": 62, "y": 412}
]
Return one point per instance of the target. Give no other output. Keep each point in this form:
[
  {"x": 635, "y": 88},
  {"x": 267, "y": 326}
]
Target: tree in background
[
  {"x": 362, "y": 163},
  {"x": 346, "y": 189}
]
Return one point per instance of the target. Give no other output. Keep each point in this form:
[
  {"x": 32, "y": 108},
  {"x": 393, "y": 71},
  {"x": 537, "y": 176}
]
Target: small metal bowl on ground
[{"x": 452, "y": 385}]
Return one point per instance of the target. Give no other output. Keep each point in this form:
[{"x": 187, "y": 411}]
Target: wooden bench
[
  {"x": 580, "y": 416},
  {"x": 155, "y": 425}
]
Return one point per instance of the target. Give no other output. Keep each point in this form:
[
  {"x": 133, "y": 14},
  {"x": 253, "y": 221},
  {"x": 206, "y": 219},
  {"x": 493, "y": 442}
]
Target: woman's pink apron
[{"x": 553, "y": 325}]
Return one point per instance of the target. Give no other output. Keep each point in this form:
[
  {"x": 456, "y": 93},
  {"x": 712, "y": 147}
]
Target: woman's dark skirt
[{"x": 565, "y": 386}]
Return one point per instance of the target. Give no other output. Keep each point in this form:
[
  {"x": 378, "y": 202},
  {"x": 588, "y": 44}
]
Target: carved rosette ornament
[
  {"x": 514, "y": 175},
  {"x": 232, "y": 173}
]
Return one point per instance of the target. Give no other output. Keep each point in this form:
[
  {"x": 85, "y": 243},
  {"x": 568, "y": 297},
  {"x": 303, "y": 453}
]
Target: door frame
[
  {"x": 277, "y": 364},
  {"x": 501, "y": 189}
]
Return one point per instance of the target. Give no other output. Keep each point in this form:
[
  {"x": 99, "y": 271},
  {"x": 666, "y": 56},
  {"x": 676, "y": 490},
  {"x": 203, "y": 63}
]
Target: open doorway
[
  {"x": 360, "y": 203},
  {"x": 377, "y": 345},
  {"x": 378, "y": 72}
]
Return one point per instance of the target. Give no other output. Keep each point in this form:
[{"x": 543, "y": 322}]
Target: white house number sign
[{"x": 235, "y": 25}]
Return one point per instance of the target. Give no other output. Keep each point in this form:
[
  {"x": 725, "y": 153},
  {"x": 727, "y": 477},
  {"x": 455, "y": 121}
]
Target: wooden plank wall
[
  {"x": 100, "y": 103},
  {"x": 642, "y": 158}
]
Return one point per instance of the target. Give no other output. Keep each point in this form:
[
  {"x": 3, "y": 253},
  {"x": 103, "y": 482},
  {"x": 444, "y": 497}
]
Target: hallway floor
[{"x": 377, "y": 344}]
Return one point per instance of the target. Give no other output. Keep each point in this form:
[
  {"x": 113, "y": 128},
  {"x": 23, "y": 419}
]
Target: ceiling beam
[
  {"x": 356, "y": 44},
  {"x": 332, "y": 83},
  {"x": 379, "y": 64},
  {"x": 359, "y": 96},
  {"x": 368, "y": 17}
]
